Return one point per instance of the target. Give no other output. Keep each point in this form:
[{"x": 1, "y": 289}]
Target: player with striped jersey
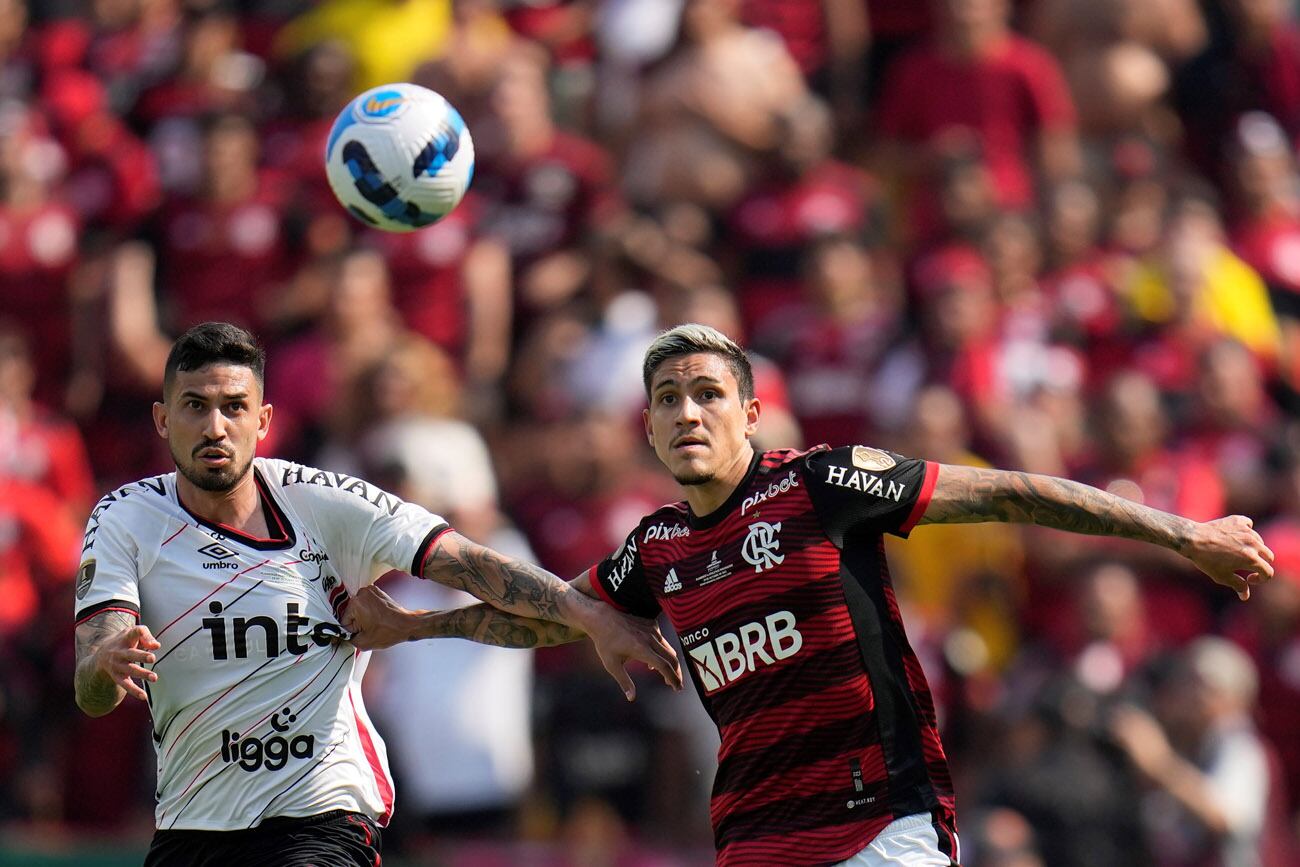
[
  {"x": 772, "y": 572},
  {"x": 220, "y": 587}
]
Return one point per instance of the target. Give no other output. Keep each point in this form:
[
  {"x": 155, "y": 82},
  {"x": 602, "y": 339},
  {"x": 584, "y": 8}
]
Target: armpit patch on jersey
[
  {"x": 84, "y": 578},
  {"x": 866, "y": 458}
]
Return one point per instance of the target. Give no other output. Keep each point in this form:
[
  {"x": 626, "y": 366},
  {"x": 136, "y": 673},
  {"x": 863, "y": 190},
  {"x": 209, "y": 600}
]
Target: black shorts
[{"x": 334, "y": 839}]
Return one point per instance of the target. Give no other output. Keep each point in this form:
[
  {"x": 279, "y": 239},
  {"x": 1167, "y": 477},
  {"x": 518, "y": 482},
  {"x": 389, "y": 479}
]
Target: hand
[
  {"x": 1232, "y": 553},
  {"x": 1142, "y": 739},
  {"x": 621, "y": 637},
  {"x": 376, "y": 621},
  {"x": 124, "y": 656}
]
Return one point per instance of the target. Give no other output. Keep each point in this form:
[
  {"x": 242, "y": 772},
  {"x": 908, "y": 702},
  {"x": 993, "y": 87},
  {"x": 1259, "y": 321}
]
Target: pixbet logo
[
  {"x": 272, "y": 752},
  {"x": 790, "y": 481},
  {"x": 665, "y": 532},
  {"x": 760, "y": 546},
  {"x": 730, "y": 656}
]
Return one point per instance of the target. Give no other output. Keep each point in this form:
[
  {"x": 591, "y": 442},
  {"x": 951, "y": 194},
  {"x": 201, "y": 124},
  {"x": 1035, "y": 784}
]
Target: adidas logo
[{"x": 671, "y": 583}]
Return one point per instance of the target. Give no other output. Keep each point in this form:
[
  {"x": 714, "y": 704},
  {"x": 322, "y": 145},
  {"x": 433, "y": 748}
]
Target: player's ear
[
  {"x": 160, "y": 419},
  {"x": 649, "y": 431},
  {"x": 752, "y": 411},
  {"x": 263, "y": 421}
]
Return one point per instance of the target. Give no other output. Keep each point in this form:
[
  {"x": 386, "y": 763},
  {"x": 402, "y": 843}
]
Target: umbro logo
[{"x": 219, "y": 554}]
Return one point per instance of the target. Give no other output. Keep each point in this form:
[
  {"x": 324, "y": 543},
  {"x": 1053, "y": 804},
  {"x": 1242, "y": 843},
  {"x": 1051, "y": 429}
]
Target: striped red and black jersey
[{"x": 783, "y": 603}]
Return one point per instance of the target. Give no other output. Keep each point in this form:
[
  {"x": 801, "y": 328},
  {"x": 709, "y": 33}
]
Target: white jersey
[{"x": 257, "y": 711}]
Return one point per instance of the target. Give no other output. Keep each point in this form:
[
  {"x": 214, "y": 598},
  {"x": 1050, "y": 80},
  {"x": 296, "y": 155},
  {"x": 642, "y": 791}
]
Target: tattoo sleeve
[
  {"x": 973, "y": 494},
  {"x": 504, "y": 583},
  {"x": 488, "y": 625},
  {"x": 97, "y": 694}
]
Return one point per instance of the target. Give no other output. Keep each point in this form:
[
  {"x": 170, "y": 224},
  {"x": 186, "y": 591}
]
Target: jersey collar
[
  {"x": 712, "y": 519},
  {"x": 282, "y": 535}
]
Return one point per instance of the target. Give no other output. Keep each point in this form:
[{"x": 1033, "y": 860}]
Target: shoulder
[
  {"x": 326, "y": 488},
  {"x": 131, "y": 510}
]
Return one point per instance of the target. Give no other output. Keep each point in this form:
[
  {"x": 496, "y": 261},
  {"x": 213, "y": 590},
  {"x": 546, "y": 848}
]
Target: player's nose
[{"x": 214, "y": 427}]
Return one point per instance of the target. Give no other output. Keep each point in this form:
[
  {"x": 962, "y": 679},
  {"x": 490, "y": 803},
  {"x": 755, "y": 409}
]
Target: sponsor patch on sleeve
[
  {"x": 84, "y": 578},
  {"x": 866, "y": 458}
]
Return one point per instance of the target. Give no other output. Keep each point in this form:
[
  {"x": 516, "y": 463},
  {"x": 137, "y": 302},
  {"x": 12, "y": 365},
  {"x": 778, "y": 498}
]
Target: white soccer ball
[{"x": 399, "y": 157}]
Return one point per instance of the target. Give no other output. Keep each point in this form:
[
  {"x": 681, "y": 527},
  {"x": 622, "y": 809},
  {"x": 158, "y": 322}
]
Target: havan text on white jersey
[{"x": 257, "y": 711}]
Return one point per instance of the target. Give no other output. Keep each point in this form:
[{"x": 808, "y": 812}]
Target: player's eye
[
  {"x": 236, "y": 406},
  {"x": 667, "y": 399},
  {"x": 194, "y": 404},
  {"x": 708, "y": 394}
]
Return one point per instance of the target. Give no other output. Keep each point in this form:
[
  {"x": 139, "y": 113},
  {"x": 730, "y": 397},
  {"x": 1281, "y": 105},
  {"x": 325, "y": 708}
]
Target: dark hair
[
  {"x": 214, "y": 343},
  {"x": 692, "y": 338}
]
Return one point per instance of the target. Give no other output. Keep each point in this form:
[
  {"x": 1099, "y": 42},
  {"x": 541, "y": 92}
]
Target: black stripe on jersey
[
  {"x": 791, "y": 815},
  {"x": 881, "y": 644},
  {"x": 740, "y": 771},
  {"x": 426, "y": 545},
  {"x": 110, "y": 605},
  {"x": 798, "y": 679},
  {"x": 201, "y": 786}
]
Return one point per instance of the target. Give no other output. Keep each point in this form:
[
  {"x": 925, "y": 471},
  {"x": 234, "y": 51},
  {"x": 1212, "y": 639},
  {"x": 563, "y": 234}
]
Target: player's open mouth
[
  {"x": 213, "y": 458},
  {"x": 683, "y": 445}
]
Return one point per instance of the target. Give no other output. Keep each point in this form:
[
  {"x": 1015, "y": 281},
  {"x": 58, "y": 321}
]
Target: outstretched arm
[
  {"x": 377, "y": 621},
  {"x": 525, "y": 590},
  {"x": 1228, "y": 550},
  {"x": 111, "y": 651}
]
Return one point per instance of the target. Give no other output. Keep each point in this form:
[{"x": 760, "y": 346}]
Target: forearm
[
  {"x": 1186, "y": 784},
  {"x": 506, "y": 584},
  {"x": 488, "y": 625},
  {"x": 973, "y": 494}
]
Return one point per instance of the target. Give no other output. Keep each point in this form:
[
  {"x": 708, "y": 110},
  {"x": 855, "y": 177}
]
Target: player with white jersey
[{"x": 221, "y": 587}]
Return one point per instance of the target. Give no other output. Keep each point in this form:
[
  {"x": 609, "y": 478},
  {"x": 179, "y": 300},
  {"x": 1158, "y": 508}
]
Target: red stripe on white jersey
[{"x": 376, "y": 766}]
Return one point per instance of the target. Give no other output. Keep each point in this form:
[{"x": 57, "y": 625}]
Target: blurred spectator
[
  {"x": 1195, "y": 289},
  {"x": 955, "y": 575},
  {"x": 724, "y": 94},
  {"x": 1208, "y": 769},
  {"x": 1266, "y": 232},
  {"x": 1251, "y": 64},
  {"x": 312, "y": 371},
  {"x": 543, "y": 189},
  {"x": 38, "y": 246},
  {"x": 975, "y": 74},
  {"x": 223, "y": 249},
  {"x": 1233, "y": 425},
  {"x": 389, "y": 40},
  {"x": 836, "y": 345},
  {"x": 37, "y": 446}
]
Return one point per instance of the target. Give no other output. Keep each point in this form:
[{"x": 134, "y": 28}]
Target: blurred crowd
[{"x": 1055, "y": 235}]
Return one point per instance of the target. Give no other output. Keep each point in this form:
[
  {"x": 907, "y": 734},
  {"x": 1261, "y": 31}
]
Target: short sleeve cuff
[
  {"x": 425, "y": 548},
  {"x": 593, "y": 576},
  {"x": 90, "y": 611},
  {"x": 922, "y": 499}
]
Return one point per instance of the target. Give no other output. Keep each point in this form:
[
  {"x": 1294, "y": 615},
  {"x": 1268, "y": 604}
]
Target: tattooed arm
[
  {"x": 111, "y": 650},
  {"x": 377, "y": 621},
  {"x": 1228, "y": 550},
  {"x": 531, "y": 593}
]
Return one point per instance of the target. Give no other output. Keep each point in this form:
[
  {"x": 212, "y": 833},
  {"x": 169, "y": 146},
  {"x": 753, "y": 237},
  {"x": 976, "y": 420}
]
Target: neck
[
  {"x": 239, "y": 507},
  {"x": 706, "y": 498}
]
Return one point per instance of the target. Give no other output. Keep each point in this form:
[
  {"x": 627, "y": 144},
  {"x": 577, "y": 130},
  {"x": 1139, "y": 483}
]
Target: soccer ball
[{"x": 399, "y": 157}]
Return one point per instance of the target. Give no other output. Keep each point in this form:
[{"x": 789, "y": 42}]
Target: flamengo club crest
[{"x": 759, "y": 549}]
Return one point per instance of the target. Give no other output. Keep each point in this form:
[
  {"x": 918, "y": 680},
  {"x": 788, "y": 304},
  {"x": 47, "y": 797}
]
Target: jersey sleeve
[
  {"x": 366, "y": 529},
  {"x": 620, "y": 580},
  {"x": 860, "y": 489},
  {"x": 108, "y": 578}
]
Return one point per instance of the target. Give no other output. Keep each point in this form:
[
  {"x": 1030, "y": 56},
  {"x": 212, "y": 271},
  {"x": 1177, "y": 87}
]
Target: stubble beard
[
  {"x": 691, "y": 479},
  {"x": 215, "y": 479}
]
